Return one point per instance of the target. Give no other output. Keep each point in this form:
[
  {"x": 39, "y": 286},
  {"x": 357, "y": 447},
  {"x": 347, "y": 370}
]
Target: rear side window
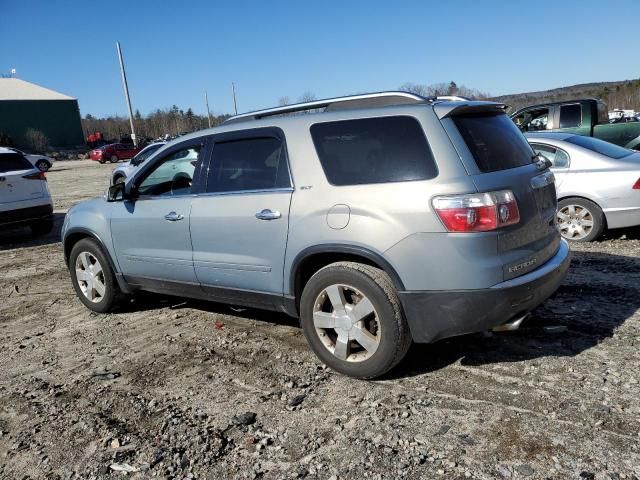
[
  {"x": 558, "y": 158},
  {"x": 373, "y": 150},
  {"x": 495, "y": 142},
  {"x": 10, "y": 162},
  {"x": 248, "y": 164},
  {"x": 570, "y": 116}
]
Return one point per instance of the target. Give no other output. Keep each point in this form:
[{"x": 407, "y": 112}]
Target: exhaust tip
[{"x": 511, "y": 325}]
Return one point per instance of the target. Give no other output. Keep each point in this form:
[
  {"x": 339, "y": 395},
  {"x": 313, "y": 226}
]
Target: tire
[
  {"x": 114, "y": 159},
  {"x": 580, "y": 220},
  {"x": 384, "y": 329},
  {"x": 102, "y": 161},
  {"x": 103, "y": 300},
  {"x": 118, "y": 179},
  {"x": 43, "y": 165},
  {"x": 42, "y": 227}
]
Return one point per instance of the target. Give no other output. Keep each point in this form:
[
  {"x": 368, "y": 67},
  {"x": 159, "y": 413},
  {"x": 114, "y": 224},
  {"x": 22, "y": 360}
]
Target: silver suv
[{"x": 376, "y": 219}]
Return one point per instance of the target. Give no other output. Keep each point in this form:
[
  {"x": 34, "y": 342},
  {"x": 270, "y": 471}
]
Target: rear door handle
[
  {"x": 173, "y": 216},
  {"x": 267, "y": 214}
]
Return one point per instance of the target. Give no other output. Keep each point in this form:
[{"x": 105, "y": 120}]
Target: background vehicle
[
  {"x": 113, "y": 152},
  {"x": 587, "y": 117},
  {"x": 41, "y": 162},
  {"x": 24, "y": 194},
  {"x": 123, "y": 171},
  {"x": 598, "y": 183},
  {"x": 366, "y": 220}
]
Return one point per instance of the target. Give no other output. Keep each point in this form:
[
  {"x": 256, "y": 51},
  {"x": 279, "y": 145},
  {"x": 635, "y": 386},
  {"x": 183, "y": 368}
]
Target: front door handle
[
  {"x": 267, "y": 214},
  {"x": 173, "y": 216}
]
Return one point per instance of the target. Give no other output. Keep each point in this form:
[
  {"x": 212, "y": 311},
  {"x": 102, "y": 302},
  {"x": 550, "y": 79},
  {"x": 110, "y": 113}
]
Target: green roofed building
[{"x": 25, "y": 106}]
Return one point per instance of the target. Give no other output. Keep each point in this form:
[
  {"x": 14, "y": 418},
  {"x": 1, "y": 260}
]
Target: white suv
[{"x": 24, "y": 194}]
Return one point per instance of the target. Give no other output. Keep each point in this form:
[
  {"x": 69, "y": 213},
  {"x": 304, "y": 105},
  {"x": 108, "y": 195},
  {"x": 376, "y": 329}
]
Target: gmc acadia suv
[{"x": 376, "y": 219}]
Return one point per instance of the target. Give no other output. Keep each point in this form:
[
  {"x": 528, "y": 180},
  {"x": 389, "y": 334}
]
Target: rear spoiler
[{"x": 457, "y": 108}]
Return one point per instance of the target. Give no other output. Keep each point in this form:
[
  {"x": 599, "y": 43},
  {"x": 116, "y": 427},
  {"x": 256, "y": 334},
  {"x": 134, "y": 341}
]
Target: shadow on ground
[
  {"x": 631, "y": 233},
  {"x": 18, "y": 237},
  {"x": 586, "y": 309}
]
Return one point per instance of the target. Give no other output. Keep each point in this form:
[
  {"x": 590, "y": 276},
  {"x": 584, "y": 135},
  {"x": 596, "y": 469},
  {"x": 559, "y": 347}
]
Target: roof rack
[{"x": 353, "y": 101}]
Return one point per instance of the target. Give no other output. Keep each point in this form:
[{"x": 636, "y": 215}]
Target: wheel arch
[
  {"x": 313, "y": 258},
  {"x": 74, "y": 235}
]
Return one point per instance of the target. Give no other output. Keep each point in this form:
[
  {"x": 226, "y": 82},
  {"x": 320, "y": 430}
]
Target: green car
[{"x": 587, "y": 117}]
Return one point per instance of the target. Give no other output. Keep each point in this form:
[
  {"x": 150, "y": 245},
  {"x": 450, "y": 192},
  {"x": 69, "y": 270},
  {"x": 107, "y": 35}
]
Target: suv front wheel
[
  {"x": 352, "y": 318},
  {"x": 92, "y": 276}
]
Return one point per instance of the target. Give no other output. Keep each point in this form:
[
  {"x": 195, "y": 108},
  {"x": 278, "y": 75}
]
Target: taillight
[
  {"x": 477, "y": 212},
  {"x": 36, "y": 176},
  {"x": 636, "y": 186}
]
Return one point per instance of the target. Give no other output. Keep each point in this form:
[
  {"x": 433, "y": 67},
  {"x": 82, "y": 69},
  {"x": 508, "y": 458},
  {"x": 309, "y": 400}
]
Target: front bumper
[
  {"x": 23, "y": 216},
  {"x": 433, "y": 315}
]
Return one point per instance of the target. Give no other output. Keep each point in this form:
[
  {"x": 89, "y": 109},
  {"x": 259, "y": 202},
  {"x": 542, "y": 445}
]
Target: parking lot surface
[{"x": 174, "y": 388}]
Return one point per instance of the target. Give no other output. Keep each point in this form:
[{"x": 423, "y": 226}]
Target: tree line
[
  {"x": 174, "y": 121},
  {"x": 170, "y": 121}
]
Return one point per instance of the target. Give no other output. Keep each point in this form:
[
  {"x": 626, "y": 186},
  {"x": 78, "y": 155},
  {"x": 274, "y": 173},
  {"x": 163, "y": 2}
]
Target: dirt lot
[{"x": 162, "y": 388}]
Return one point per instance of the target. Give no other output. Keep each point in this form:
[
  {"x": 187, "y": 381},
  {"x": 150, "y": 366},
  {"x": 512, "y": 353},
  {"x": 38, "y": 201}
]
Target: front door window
[{"x": 173, "y": 176}]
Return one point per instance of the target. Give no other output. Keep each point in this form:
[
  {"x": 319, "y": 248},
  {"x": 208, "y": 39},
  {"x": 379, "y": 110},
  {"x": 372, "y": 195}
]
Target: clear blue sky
[{"x": 174, "y": 51}]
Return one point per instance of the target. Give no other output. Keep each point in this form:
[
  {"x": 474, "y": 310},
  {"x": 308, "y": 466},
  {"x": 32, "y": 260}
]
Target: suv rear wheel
[
  {"x": 352, "y": 318},
  {"x": 92, "y": 276}
]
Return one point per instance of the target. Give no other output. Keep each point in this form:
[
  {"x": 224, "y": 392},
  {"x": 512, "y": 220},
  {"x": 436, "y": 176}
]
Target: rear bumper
[
  {"x": 26, "y": 215},
  {"x": 433, "y": 315}
]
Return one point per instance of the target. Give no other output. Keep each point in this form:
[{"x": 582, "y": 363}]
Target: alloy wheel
[
  {"x": 347, "y": 323},
  {"x": 575, "y": 222},
  {"x": 90, "y": 277}
]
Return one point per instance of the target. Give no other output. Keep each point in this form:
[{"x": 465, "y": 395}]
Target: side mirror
[
  {"x": 542, "y": 162},
  {"x": 118, "y": 192}
]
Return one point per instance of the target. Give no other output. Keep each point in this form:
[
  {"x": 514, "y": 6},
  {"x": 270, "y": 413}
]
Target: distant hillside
[{"x": 621, "y": 94}]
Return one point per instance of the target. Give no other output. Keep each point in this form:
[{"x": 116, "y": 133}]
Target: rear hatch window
[
  {"x": 12, "y": 162},
  {"x": 495, "y": 141}
]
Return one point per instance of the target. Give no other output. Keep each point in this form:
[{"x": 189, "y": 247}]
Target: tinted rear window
[
  {"x": 570, "y": 116},
  {"x": 373, "y": 150},
  {"x": 600, "y": 146},
  {"x": 495, "y": 142},
  {"x": 10, "y": 162}
]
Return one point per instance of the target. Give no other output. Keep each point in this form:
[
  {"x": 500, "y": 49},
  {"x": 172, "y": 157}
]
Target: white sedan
[
  {"x": 41, "y": 162},
  {"x": 597, "y": 183}
]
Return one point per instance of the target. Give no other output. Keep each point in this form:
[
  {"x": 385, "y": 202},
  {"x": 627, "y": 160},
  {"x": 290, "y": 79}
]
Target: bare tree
[
  {"x": 307, "y": 97},
  {"x": 36, "y": 140},
  {"x": 283, "y": 101}
]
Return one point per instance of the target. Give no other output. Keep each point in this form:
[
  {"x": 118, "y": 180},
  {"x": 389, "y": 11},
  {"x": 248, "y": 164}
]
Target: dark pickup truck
[{"x": 583, "y": 117}]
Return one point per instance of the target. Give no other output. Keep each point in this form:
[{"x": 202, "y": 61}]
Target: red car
[{"x": 113, "y": 152}]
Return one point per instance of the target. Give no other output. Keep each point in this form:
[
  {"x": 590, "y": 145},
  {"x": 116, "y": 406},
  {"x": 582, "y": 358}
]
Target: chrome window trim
[{"x": 216, "y": 194}]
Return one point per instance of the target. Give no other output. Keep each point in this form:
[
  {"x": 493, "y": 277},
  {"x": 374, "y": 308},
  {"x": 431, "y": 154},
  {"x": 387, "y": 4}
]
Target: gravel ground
[{"x": 181, "y": 389}]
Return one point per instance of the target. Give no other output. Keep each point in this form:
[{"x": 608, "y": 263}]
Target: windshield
[
  {"x": 600, "y": 146},
  {"x": 144, "y": 154}
]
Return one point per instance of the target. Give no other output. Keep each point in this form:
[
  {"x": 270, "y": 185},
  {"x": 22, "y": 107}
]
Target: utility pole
[
  {"x": 206, "y": 100},
  {"x": 126, "y": 94},
  {"x": 235, "y": 104}
]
